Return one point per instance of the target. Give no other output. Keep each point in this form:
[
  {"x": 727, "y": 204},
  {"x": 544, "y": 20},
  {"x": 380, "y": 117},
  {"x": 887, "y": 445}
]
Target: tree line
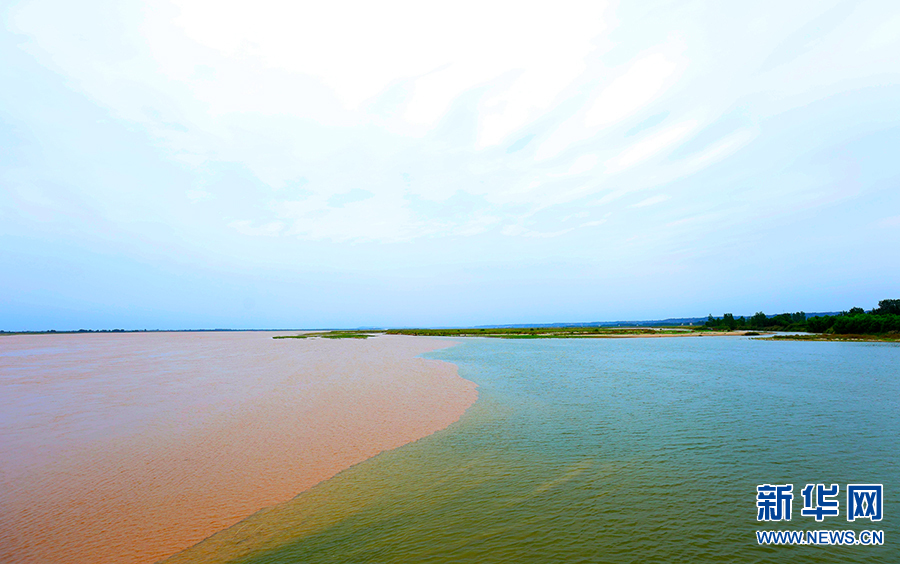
[{"x": 883, "y": 319}]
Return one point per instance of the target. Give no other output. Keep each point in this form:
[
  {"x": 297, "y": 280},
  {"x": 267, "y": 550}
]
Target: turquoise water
[{"x": 613, "y": 450}]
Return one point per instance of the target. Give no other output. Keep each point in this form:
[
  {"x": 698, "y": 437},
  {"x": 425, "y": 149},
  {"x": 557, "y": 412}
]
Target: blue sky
[{"x": 198, "y": 164}]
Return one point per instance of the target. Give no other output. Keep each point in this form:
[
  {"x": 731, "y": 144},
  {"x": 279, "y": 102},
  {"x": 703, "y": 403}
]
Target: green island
[{"x": 330, "y": 335}]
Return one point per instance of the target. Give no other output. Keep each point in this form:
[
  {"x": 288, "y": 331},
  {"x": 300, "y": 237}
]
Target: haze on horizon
[{"x": 198, "y": 164}]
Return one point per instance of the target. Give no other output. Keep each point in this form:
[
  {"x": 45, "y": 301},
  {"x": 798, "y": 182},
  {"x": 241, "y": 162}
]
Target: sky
[{"x": 202, "y": 164}]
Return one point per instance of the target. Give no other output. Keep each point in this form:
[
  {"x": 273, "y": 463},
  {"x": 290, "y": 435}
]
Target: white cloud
[
  {"x": 889, "y": 221},
  {"x": 650, "y": 147},
  {"x": 723, "y": 148},
  {"x": 357, "y": 49},
  {"x": 640, "y": 85},
  {"x": 246, "y": 227},
  {"x": 519, "y": 230},
  {"x": 885, "y": 35},
  {"x": 353, "y": 95},
  {"x": 658, "y": 199},
  {"x": 581, "y": 165},
  {"x": 197, "y": 195},
  {"x": 381, "y": 218}
]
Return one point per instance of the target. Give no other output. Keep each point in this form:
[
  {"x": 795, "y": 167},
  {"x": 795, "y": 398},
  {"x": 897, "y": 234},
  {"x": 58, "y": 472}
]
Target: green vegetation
[
  {"x": 329, "y": 335},
  {"x": 513, "y": 332},
  {"x": 893, "y": 337},
  {"x": 862, "y": 324},
  {"x": 781, "y": 322},
  {"x": 538, "y": 332},
  {"x": 881, "y": 323}
]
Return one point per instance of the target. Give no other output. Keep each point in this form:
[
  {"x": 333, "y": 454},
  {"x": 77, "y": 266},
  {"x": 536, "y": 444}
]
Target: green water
[{"x": 630, "y": 450}]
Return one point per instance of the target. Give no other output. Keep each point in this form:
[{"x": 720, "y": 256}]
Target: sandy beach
[{"x": 128, "y": 448}]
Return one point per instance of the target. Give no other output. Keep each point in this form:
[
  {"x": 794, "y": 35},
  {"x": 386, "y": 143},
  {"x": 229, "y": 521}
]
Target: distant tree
[
  {"x": 888, "y": 307},
  {"x": 856, "y": 311},
  {"x": 728, "y": 321},
  {"x": 820, "y": 323},
  {"x": 759, "y": 319},
  {"x": 799, "y": 317}
]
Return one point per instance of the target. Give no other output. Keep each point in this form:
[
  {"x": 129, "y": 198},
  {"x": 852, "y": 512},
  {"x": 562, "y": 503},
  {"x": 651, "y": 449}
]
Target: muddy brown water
[{"x": 127, "y": 448}]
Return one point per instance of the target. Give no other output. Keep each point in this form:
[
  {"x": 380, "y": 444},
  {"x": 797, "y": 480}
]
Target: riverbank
[
  {"x": 127, "y": 448},
  {"x": 534, "y": 333},
  {"x": 887, "y": 338}
]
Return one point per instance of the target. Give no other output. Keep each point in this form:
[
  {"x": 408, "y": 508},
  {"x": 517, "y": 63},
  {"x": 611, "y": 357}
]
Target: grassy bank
[
  {"x": 527, "y": 333},
  {"x": 538, "y": 332},
  {"x": 893, "y": 337}
]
